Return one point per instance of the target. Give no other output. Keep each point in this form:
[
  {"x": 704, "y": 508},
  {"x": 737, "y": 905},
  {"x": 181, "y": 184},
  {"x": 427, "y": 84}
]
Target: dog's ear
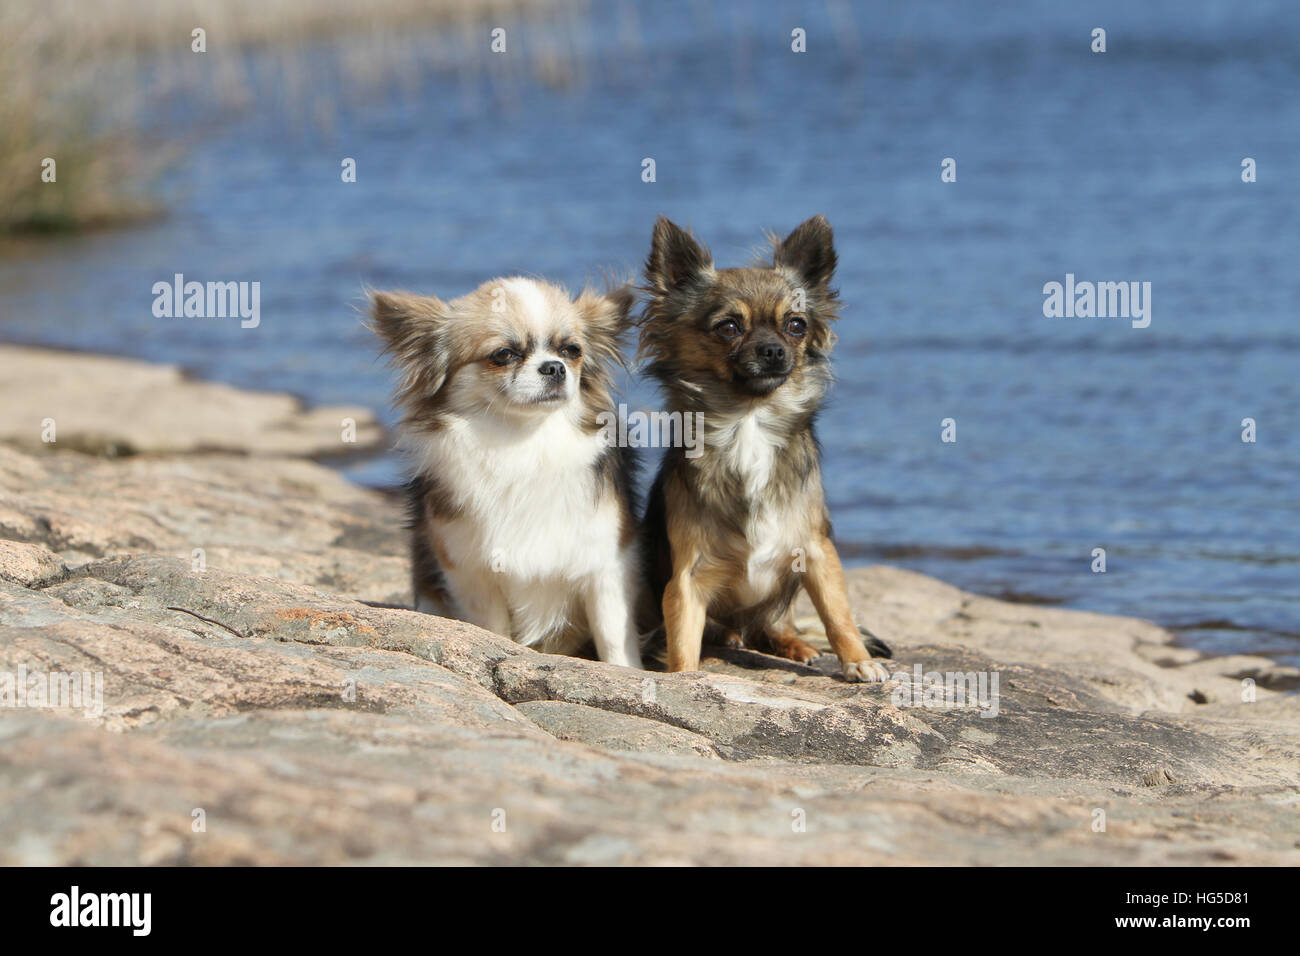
[
  {"x": 605, "y": 319},
  {"x": 675, "y": 258},
  {"x": 809, "y": 251},
  {"x": 414, "y": 329}
]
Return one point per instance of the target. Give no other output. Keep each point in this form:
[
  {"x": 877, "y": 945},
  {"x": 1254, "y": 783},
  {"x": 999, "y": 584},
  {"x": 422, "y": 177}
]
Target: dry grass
[
  {"x": 143, "y": 24},
  {"x": 78, "y": 76}
]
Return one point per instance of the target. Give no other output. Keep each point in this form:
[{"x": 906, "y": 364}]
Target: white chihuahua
[{"x": 521, "y": 515}]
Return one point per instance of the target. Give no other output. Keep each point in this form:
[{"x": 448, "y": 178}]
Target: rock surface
[
  {"x": 263, "y": 702},
  {"x": 114, "y": 406}
]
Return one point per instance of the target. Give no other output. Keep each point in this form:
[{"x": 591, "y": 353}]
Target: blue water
[{"x": 1072, "y": 433}]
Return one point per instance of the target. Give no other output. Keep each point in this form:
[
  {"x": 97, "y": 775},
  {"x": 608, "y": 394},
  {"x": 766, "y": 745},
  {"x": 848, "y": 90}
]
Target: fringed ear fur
[
  {"x": 413, "y": 328},
  {"x": 810, "y": 251},
  {"x": 675, "y": 259},
  {"x": 606, "y": 319}
]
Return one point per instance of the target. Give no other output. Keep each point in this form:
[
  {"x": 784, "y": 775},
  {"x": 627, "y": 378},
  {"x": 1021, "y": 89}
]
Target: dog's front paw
[
  {"x": 864, "y": 670},
  {"x": 794, "y": 649}
]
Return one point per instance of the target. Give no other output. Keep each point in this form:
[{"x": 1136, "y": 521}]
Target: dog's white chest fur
[
  {"x": 751, "y": 446},
  {"x": 532, "y": 528},
  {"x": 751, "y": 453}
]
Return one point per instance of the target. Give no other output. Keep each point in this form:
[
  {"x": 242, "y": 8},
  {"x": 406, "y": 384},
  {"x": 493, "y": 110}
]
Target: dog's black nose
[
  {"x": 551, "y": 368},
  {"x": 771, "y": 352}
]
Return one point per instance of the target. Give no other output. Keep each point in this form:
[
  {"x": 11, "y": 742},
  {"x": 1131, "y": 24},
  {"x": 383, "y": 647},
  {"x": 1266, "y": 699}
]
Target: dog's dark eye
[
  {"x": 727, "y": 328},
  {"x": 796, "y": 326},
  {"x": 503, "y": 356},
  {"x": 571, "y": 351}
]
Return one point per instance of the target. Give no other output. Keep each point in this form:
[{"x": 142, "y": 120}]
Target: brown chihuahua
[{"x": 731, "y": 534}]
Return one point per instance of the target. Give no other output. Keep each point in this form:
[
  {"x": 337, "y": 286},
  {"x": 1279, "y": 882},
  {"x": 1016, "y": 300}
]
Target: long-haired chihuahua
[
  {"x": 520, "y": 514},
  {"x": 731, "y": 534}
]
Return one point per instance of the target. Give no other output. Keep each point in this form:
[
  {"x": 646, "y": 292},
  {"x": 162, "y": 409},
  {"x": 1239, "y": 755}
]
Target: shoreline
[
  {"x": 114, "y": 406},
  {"x": 341, "y": 457}
]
